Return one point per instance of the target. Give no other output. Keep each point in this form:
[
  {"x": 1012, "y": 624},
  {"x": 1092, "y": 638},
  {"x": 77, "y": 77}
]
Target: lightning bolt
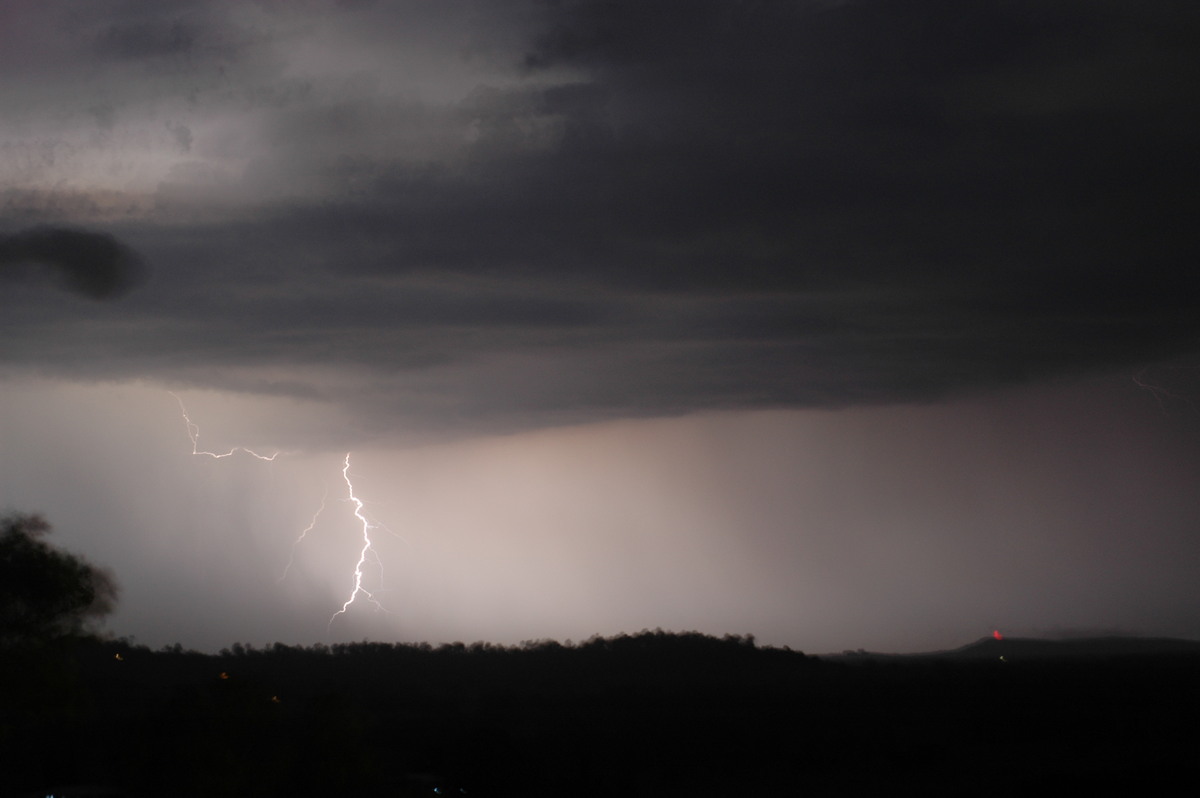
[
  {"x": 306, "y": 530},
  {"x": 1160, "y": 392},
  {"x": 193, "y": 432},
  {"x": 366, "y": 549}
]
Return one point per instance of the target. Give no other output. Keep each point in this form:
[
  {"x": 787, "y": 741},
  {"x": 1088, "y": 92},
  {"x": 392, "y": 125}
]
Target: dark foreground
[{"x": 644, "y": 715}]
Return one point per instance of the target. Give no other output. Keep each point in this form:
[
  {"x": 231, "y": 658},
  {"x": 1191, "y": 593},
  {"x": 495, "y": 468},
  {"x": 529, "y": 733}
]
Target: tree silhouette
[{"x": 45, "y": 593}]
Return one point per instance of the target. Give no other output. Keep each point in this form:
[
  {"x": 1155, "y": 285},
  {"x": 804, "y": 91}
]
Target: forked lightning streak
[
  {"x": 193, "y": 432},
  {"x": 367, "y": 547},
  {"x": 303, "y": 534}
]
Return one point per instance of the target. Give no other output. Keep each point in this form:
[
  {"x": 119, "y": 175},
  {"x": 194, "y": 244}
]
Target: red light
[{"x": 996, "y": 634}]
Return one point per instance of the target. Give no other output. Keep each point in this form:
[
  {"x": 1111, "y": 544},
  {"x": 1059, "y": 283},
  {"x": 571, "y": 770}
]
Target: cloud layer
[
  {"x": 562, "y": 212},
  {"x": 95, "y": 265}
]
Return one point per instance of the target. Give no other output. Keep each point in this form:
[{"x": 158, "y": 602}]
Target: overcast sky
[{"x": 858, "y": 323}]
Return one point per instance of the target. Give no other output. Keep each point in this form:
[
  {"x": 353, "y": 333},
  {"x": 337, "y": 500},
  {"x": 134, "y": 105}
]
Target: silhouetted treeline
[{"x": 648, "y": 714}]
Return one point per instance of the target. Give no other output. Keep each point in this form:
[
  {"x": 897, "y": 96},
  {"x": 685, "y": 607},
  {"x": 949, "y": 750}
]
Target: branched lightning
[
  {"x": 193, "y": 432},
  {"x": 303, "y": 533},
  {"x": 367, "y": 547},
  {"x": 1167, "y": 397},
  {"x": 1155, "y": 390}
]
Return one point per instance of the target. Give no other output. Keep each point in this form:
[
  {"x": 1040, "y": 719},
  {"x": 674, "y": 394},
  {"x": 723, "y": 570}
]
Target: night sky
[{"x": 843, "y": 323}]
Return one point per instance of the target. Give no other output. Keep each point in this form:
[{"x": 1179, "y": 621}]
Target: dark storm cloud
[
  {"x": 984, "y": 192},
  {"x": 668, "y": 206},
  {"x": 154, "y": 39},
  {"x": 93, "y": 264},
  {"x": 182, "y": 35},
  {"x": 982, "y": 147},
  {"x": 933, "y": 196}
]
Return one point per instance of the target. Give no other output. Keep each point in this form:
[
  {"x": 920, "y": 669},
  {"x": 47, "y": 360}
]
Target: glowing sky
[{"x": 845, "y": 324}]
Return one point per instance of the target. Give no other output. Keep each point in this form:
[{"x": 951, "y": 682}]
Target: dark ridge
[
  {"x": 1028, "y": 649},
  {"x": 649, "y": 714}
]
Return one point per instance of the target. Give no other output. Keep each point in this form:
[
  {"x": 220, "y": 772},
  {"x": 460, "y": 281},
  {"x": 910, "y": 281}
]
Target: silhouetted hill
[
  {"x": 1022, "y": 649},
  {"x": 634, "y": 715},
  {"x": 1026, "y": 649}
]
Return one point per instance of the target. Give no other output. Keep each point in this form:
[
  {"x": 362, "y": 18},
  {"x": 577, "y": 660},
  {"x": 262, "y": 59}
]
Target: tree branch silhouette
[{"x": 46, "y": 593}]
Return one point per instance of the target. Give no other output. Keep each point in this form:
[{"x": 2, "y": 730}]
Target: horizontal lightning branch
[{"x": 193, "y": 432}]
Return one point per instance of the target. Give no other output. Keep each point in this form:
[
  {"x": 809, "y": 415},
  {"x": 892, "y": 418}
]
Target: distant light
[
  {"x": 119, "y": 658},
  {"x": 996, "y": 634},
  {"x": 224, "y": 675}
]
